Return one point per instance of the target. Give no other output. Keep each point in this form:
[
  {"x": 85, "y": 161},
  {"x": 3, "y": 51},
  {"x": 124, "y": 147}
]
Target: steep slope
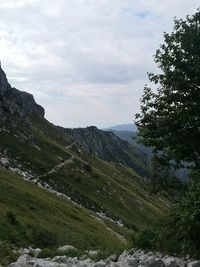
[
  {"x": 109, "y": 147},
  {"x": 131, "y": 138},
  {"x": 48, "y": 157},
  {"x": 16, "y": 104},
  {"x": 128, "y": 127},
  {"x": 28, "y": 212}
]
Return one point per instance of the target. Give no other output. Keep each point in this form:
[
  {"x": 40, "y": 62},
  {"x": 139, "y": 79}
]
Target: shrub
[
  {"x": 87, "y": 167},
  {"x": 146, "y": 239},
  {"x": 44, "y": 238},
  {"x": 78, "y": 179},
  {"x": 7, "y": 255},
  {"x": 179, "y": 232},
  {"x": 11, "y": 217},
  {"x": 46, "y": 253}
]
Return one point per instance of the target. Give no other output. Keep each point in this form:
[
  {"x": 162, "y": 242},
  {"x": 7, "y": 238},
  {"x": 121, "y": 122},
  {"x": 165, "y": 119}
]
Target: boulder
[
  {"x": 169, "y": 261},
  {"x": 133, "y": 262},
  {"x": 193, "y": 264},
  {"x": 66, "y": 248},
  {"x": 23, "y": 261},
  {"x": 93, "y": 252}
]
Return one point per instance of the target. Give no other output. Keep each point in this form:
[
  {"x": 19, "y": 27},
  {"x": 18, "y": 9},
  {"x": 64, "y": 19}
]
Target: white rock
[
  {"x": 21, "y": 262},
  {"x": 23, "y": 251},
  {"x": 66, "y": 248},
  {"x": 194, "y": 264},
  {"x": 93, "y": 252},
  {"x": 169, "y": 261},
  {"x": 133, "y": 262}
]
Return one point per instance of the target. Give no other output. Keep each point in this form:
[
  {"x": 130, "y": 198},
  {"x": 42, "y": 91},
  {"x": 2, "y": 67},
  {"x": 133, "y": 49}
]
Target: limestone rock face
[
  {"x": 66, "y": 248},
  {"x": 126, "y": 259},
  {"x": 16, "y": 103}
]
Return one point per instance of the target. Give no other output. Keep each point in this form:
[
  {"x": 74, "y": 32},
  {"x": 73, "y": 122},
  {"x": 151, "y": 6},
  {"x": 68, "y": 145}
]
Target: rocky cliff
[{"x": 14, "y": 103}]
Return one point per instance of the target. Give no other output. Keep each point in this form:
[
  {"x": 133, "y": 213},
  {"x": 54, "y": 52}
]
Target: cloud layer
[{"x": 85, "y": 61}]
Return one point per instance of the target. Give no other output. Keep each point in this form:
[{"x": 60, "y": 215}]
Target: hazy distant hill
[
  {"x": 128, "y": 132},
  {"x": 129, "y": 127},
  {"x": 108, "y": 146}
]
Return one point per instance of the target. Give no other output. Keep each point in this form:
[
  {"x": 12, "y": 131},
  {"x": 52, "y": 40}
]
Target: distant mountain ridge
[
  {"x": 108, "y": 146},
  {"x": 129, "y": 127}
]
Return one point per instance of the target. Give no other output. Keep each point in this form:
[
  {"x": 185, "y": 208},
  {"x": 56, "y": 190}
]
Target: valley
[{"x": 85, "y": 190}]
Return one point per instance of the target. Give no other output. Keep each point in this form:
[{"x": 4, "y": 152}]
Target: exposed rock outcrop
[
  {"x": 126, "y": 259},
  {"x": 15, "y": 103}
]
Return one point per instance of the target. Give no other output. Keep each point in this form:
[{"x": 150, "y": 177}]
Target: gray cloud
[{"x": 85, "y": 60}]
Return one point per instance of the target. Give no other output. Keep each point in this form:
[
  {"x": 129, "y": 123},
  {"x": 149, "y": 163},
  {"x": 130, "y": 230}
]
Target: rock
[
  {"x": 112, "y": 258},
  {"x": 193, "y": 264},
  {"x": 66, "y": 248},
  {"x": 21, "y": 262},
  {"x": 60, "y": 259},
  {"x": 180, "y": 262},
  {"x": 152, "y": 261},
  {"x": 93, "y": 252},
  {"x": 13, "y": 101},
  {"x": 133, "y": 262},
  {"x": 23, "y": 251},
  {"x": 34, "y": 251},
  {"x": 138, "y": 259},
  {"x": 169, "y": 261},
  {"x": 100, "y": 264},
  {"x": 159, "y": 255},
  {"x": 123, "y": 255}
]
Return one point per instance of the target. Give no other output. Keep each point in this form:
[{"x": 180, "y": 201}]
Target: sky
[{"x": 85, "y": 61}]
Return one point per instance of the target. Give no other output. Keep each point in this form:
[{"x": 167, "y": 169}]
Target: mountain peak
[
  {"x": 3, "y": 81},
  {"x": 15, "y": 102}
]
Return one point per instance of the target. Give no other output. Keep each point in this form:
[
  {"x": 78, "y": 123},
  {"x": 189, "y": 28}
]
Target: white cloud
[{"x": 85, "y": 60}]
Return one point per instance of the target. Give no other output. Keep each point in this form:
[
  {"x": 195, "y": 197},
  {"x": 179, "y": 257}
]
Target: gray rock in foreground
[{"x": 126, "y": 259}]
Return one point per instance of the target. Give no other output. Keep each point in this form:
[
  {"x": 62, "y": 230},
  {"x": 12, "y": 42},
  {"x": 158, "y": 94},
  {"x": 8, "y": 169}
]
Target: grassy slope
[
  {"x": 108, "y": 187},
  {"x": 116, "y": 190},
  {"x": 36, "y": 209}
]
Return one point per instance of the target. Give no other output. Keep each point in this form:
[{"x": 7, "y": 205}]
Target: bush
[
  {"x": 146, "y": 239},
  {"x": 46, "y": 253},
  {"x": 7, "y": 255},
  {"x": 87, "y": 167},
  {"x": 11, "y": 217},
  {"x": 179, "y": 231},
  {"x": 78, "y": 179},
  {"x": 44, "y": 238}
]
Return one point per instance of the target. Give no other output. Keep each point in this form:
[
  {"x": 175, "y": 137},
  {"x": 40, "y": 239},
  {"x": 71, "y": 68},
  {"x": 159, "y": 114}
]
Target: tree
[{"x": 170, "y": 115}]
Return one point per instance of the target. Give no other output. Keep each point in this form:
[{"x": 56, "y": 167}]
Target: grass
[
  {"x": 111, "y": 188},
  {"x": 40, "y": 214},
  {"x": 30, "y": 215}
]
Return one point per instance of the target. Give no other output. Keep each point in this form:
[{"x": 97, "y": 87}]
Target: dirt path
[{"x": 59, "y": 166}]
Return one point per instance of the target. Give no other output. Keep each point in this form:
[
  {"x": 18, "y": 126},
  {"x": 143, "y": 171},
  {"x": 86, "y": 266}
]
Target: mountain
[
  {"x": 16, "y": 104},
  {"x": 54, "y": 191},
  {"x": 108, "y": 146},
  {"x": 129, "y": 127}
]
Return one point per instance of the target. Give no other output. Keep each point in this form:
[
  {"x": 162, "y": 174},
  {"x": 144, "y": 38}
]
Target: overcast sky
[{"x": 85, "y": 61}]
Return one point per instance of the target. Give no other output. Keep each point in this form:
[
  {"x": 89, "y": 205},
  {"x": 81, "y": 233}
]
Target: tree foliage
[
  {"x": 170, "y": 115},
  {"x": 180, "y": 231}
]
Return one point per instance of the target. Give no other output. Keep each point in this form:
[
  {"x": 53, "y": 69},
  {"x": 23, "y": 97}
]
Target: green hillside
[
  {"x": 71, "y": 196},
  {"x": 50, "y": 155},
  {"x": 28, "y": 212}
]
